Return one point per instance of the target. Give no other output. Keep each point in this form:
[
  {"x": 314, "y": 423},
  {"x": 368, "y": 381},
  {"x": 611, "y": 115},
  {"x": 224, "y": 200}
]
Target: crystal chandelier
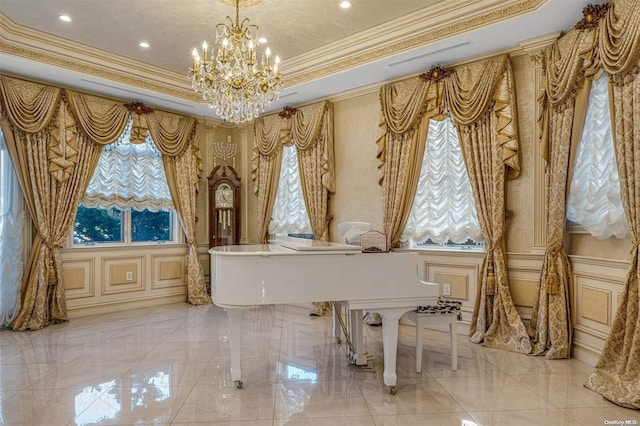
[{"x": 230, "y": 78}]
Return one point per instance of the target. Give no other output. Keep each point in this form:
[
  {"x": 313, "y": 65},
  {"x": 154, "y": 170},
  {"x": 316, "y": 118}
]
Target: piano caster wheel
[
  {"x": 338, "y": 340},
  {"x": 393, "y": 390},
  {"x": 238, "y": 384}
]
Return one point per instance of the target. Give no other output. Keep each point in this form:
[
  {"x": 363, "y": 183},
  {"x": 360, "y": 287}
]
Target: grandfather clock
[{"x": 224, "y": 206}]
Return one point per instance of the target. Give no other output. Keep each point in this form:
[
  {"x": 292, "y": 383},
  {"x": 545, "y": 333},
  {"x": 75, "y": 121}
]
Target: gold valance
[
  {"x": 103, "y": 120},
  {"x": 619, "y": 37},
  {"x": 307, "y": 125},
  {"x": 471, "y": 89},
  {"x": 30, "y": 107}
]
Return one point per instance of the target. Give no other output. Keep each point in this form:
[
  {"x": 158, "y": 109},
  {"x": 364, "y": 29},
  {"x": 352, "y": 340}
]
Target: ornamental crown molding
[
  {"x": 425, "y": 26},
  {"x": 429, "y": 25}
]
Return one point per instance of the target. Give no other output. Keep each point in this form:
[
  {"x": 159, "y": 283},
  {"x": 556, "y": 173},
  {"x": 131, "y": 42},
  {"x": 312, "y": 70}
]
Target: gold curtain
[
  {"x": 312, "y": 133},
  {"x": 54, "y": 161},
  {"x": 310, "y": 128},
  {"x": 182, "y": 173},
  {"x": 265, "y": 168},
  {"x": 481, "y": 100},
  {"x": 55, "y": 137},
  {"x": 606, "y": 39},
  {"x": 407, "y": 106},
  {"x": 617, "y": 373}
]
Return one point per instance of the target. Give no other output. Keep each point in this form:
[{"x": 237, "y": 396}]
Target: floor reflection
[{"x": 170, "y": 365}]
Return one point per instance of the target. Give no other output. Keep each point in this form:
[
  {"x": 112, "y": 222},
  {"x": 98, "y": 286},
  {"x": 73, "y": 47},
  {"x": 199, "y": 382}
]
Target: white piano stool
[{"x": 420, "y": 319}]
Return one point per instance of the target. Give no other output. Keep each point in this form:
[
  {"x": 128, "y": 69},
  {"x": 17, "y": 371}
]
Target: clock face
[{"x": 224, "y": 197}]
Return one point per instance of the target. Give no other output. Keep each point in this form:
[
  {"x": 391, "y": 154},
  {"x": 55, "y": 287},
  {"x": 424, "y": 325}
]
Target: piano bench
[{"x": 420, "y": 319}]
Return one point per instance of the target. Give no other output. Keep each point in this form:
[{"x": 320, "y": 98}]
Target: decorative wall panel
[
  {"x": 597, "y": 285},
  {"x": 459, "y": 285},
  {"x": 523, "y": 292},
  {"x": 79, "y": 278},
  {"x": 595, "y": 304},
  {"x": 167, "y": 271},
  {"x": 123, "y": 274},
  {"x": 458, "y": 269}
]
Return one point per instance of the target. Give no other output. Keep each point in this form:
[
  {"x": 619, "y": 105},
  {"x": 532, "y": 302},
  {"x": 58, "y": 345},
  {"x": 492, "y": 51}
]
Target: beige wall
[{"x": 358, "y": 196}]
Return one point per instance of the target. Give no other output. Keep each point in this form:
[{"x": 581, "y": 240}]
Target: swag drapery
[
  {"x": 607, "y": 39},
  {"x": 480, "y": 99},
  {"x": 310, "y": 129},
  {"x": 55, "y": 137}
]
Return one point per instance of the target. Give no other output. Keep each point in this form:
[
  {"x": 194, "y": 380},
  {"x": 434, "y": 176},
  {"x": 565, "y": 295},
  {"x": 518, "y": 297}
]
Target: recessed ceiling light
[
  {"x": 65, "y": 18},
  {"x": 262, "y": 40},
  {"x": 143, "y": 44},
  {"x": 345, "y": 4}
]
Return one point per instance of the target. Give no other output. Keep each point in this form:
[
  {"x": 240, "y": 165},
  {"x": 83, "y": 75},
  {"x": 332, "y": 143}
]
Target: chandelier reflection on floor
[{"x": 229, "y": 76}]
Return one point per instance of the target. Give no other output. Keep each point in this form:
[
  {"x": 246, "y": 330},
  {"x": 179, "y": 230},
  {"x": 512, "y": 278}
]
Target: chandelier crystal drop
[{"x": 229, "y": 76}]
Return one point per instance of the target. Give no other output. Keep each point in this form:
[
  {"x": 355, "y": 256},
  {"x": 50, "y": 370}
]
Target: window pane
[
  {"x": 97, "y": 225},
  {"x": 150, "y": 226}
]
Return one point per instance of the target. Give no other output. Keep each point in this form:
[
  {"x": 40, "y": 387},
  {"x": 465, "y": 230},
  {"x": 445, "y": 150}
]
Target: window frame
[{"x": 177, "y": 235}]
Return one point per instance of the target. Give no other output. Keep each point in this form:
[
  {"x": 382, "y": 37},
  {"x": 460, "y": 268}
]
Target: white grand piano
[{"x": 293, "y": 270}]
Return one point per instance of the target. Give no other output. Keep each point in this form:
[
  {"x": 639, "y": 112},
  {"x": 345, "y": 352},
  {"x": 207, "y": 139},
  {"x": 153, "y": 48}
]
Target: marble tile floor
[{"x": 170, "y": 365}]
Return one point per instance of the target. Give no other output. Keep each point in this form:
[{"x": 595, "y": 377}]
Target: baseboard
[
  {"x": 585, "y": 355},
  {"x": 108, "y": 308}
]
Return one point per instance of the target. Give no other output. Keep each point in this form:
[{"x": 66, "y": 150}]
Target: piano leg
[
  {"x": 234, "y": 316},
  {"x": 359, "y": 356},
  {"x": 390, "y": 323}
]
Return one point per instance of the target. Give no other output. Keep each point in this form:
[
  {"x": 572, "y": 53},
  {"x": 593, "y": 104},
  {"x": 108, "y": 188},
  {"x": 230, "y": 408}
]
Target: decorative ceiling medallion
[{"x": 241, "y": 3}]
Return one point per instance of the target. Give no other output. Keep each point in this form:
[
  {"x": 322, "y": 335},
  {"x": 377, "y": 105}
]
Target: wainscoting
[
  {"x": 597, "y": 286},
  {"x": 103, "y": 280},
  {"x": 111, "y": 279}
]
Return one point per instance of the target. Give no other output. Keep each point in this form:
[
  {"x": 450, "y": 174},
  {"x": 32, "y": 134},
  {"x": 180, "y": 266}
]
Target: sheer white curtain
[
  {"x": 594, "y": 195},
  {"x": 129, "y": 176},
  {"x": 12, "y": 238},
  {"x": 289, "y": 215},
  {"x": 443, "y": 209}
]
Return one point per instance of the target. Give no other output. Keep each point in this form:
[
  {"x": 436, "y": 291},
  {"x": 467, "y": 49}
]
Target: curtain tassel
[
  {"x": 52, "y": 277},
  {"x": 491, "y": 285},
  {"x": 491, "y": 281},
  {"x": 552, "y": 281}
]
